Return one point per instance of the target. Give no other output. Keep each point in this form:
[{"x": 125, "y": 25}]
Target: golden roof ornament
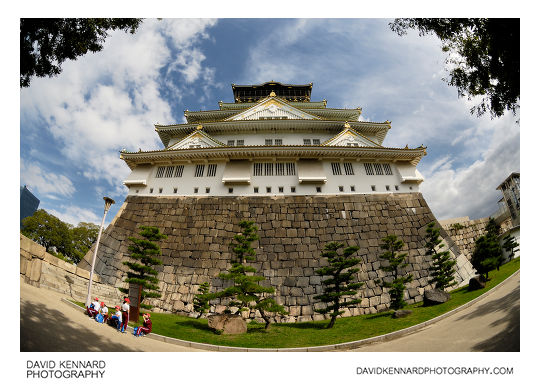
[
  {"x": 347, "y": 125},
  {"x": 199, "y": 127},
  {"x": 272, "y": 94}
]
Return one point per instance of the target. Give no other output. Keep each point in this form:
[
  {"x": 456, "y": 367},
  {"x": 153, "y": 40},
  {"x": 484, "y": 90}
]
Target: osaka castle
[
  {"x": 273, "y": 140},
  {"x": 305, "y": 174}
]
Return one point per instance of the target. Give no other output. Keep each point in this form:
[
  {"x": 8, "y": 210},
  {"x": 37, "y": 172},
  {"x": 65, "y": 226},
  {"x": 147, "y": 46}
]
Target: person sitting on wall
[
  {"x": 147, "y": 326},
  {"x": 125, "y": 314},
  {"x": 104, "y": 311},
  {"x": 93, "y": 309},
  {"x": 116, "y": 319}
]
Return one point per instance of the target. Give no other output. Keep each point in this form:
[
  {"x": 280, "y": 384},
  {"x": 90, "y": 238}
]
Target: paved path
[
  {"x": 50, "y": 325},
  {"x": 490, "y": 325}
]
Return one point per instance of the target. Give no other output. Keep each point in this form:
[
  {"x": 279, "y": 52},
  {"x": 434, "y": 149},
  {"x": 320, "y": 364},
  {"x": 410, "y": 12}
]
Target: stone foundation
[
  {"x": 292, "y": 230},
  {"x": 465, "y": 233}
]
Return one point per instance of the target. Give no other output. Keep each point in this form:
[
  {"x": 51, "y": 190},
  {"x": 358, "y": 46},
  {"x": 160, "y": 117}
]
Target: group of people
[{"x": 99, "y": 311}]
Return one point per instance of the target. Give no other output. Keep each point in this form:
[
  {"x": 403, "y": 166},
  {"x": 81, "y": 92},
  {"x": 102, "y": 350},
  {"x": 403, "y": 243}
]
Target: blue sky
[{"x": 73, "y": 126}]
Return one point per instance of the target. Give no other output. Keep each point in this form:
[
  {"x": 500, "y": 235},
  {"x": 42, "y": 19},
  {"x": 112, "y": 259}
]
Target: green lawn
[{"x": 314, "y": 333}]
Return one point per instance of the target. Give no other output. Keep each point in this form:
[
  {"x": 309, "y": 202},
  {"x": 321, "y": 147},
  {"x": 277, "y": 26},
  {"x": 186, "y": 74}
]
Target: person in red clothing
[
  {"x": 125, "y": 314},
  {"x": 147, "y": 326},
  {"x": 93, "y": 309}
]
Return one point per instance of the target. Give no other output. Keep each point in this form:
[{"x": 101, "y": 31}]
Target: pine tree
[
  {"x": 392, "y": 244},
  {"x": 246, "y": 293},
  {"x": 442, "y": 271},
  {"x": 143, "y": 252},
  {"x": 201, "y": 302},
  {"x": 487, "y": 254},
  {"x": 510, "y": 245},
  {"x": 341, "y": 271}
]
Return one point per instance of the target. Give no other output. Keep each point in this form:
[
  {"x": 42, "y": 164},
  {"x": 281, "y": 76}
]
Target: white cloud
[
  {"x": 74, "y": 215},
  {"x": 47, "y": 183},
  {"x": 471, "y": 189},
  {"x": 107, "y": 101}
]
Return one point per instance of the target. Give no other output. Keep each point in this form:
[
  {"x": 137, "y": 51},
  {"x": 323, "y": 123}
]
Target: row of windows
[
  {"x": 378, "y": 169},
  {"x": 281, "y": 189},
  {"x": 271, "y": 169},
  {"x": 276, "y": 142}
]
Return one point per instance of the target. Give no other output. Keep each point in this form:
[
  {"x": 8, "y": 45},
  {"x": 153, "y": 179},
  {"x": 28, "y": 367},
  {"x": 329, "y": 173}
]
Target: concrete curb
[{"x": 324, "y": 348}]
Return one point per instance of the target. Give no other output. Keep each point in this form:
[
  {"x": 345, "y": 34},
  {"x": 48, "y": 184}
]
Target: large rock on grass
[
  {"x": 476, "y": 283},
  {"x": 227, "y": 323},
  {"x": 402, "y": 313},
  {"x": 435, "y": 297}
]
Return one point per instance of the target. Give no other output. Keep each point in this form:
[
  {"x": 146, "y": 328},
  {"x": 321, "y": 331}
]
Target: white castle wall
[{"x": 186, "y": 185}]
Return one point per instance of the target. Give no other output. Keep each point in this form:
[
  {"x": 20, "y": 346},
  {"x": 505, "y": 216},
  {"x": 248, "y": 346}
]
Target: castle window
[
  {"x": 369, "y": 168},
  {"x": 307, "y": 142},
  {"x": 352, "y": 144},
  {"x": 196, "y": 190},
  {"x": 318, "y": 189},
  {"x": 340, "y": 188},
  {"x": 348, "y": 168},
  {"x": 179, "y": 171},
  {"x": 278, "y": 142},
  {"x": 397, "y": 188},
  {"x": 211, "y": 170},
  {"x": 160, "y": 171},
  {"x": 280, "y": 189},
  {"x": 160, "y": 190},
  {"x": 208, "y": 190},
  {"x": 199, "y": 170},
  {"x": 387, "y": 188},
  {"x": 268, "y": 142},
  {"x": 316, "y": 141},
  {"x": 293, "y": 189},
  {"x": 256, "y": 190},
  {"x": 378, "y": 169},
  {"x": 240, "y": 142},
  {"x": 336, "y": 168},
  {"x": 372, "y": 188},
  {"x": 353, "y": 188},
  {"x": 169, "y": 172},
  {"x": 269, "y": 169},
  {"x": 136, "y": 191},
  {"x": 268, "y": 189},
  {"x": 280, "y": 168},
  {"x": 175, "y": 190},
  {"x": 151, "y": 190},
  {"x": 257, "y": 169},
  {"x": 230, "y": 142},
  {"x": 387, "y": 169},
  {"x": 231, "y": 190},
  {"x": 291, "y": 169}
]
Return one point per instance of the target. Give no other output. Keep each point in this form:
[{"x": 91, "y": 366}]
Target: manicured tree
[
  {"x": 143, "y": 252},
  {"x": 245, "y": 292},
  {"x": 487, "y": 254},
  {"x": 340, "y": 270},
  {"x": 201, "y": 302},
  {"x": 510, "y": 245},
  {"x": 396, "y": 261},
  {"x": 442, "y": 271}
]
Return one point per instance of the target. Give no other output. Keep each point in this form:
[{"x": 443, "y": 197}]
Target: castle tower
[{"x": 304, "y": 173}]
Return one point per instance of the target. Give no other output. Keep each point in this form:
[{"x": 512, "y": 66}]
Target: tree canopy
[
  {"x": 46, "y": 43},
  {"x": 59, "y": 237},
  {"x": 483, "y": 58}
]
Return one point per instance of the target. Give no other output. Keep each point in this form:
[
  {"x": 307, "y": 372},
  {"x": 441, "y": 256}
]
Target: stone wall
[
  {"x": 465, "y": 233},
  {"x": 41, "y": 269},
  {"x": 292, "y": 230}
]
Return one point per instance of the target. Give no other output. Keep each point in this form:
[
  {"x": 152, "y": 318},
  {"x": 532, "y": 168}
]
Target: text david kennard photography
[{"x": 65, "y": 369}]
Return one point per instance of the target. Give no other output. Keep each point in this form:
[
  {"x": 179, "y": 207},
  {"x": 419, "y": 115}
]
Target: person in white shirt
[
  {"x": 93, "y": 309},
  {"x": 125, "y": 314},
  {"x": 104, "y": 310},
  {"x": 116, "y": 319}
]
